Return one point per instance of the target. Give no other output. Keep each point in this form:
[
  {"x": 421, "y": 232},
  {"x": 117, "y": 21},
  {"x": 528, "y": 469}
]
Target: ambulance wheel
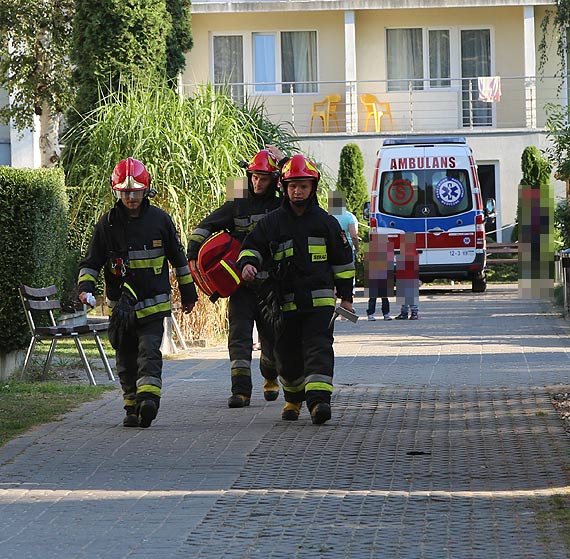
[{"x": 479, "y": 285}]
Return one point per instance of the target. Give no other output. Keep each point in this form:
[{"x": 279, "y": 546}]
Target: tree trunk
[{"x": 49, "y": 136}]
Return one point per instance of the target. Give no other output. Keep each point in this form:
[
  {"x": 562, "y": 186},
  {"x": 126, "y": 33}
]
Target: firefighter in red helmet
[
  {"x": 239, "y": 216},
  {"x": 309, "y": 255},
  {"x": 134, "y": 242}
]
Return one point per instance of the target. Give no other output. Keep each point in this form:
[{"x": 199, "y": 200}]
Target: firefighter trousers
[
  {"x": 139, "y": 363},
  {"x": 304, "y": 356},
  {"x": 243, "y": 312}
]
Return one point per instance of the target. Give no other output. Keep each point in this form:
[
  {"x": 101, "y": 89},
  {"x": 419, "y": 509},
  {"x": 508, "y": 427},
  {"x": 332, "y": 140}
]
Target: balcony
[{"x": 416, "y": 106}]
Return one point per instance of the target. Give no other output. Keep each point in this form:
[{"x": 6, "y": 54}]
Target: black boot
[
  {"x": 238, "y": 401},
  {"x": 320, "y": 413},
  {"x": 131, "y": 418},
  {"x": 147, "y": 412},
  {"x": 270, "y": 389}
]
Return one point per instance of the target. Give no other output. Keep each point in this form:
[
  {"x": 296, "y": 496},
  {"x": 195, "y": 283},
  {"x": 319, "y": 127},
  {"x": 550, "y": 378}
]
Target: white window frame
[
  {"x": 455, "y": 53},
  {"x": 249, "y": 55},
  {"x": 277, "y": 63}
]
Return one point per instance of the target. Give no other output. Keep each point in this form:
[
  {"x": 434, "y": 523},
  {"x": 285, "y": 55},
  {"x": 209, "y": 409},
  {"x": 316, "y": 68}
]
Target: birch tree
[{"x": 35, "y": 40}]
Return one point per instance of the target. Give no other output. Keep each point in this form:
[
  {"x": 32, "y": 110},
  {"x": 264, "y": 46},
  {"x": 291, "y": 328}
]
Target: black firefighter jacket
[
  {"x": 308, "y": 254},
  {"x": 140, "y": 248},
  {"x": 238, "y": 217}
]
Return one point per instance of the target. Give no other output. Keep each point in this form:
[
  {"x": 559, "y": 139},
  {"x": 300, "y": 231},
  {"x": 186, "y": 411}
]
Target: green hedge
[{"x": 33, "y": 229}]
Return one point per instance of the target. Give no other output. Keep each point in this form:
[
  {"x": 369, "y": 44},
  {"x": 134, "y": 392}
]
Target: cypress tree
[
  {"x": 351, "y": 180},
  {"x": 116, "y": 42}
]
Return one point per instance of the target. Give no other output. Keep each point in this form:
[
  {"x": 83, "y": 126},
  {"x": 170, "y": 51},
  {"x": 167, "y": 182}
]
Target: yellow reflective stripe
[
  {"x": 317, "y": 249},
  {"x": 299, "y": 388},
  {"x": 130, "y": 289},
  {"x": 345, "y": 275},
  {"x": 319, "y": 386},
  {"x": 289, "y": 307},
  {"x": 247, "y": 252},
  {"x": 183, "y": 280},
  {"x": 147, "y": 263},
  {"x": 323, "y": 302},
  {"x": 230, "y": 271},
  {"x": 160, "y": 307},
  {"x": 148, "y": 388},
  {"x": 87, "y": 277},
  {"x": 130, "y": 402},
  {"x": 288, "y": 252}
]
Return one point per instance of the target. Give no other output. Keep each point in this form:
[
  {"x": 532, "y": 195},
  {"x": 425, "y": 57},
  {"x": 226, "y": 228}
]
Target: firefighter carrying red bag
[{"x": 234, "y": 220}]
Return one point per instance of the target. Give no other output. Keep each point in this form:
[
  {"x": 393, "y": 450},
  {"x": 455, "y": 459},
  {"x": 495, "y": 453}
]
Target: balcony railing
[{"x": 414, "y": 105}]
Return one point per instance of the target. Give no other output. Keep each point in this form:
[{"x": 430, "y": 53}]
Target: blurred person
[{"x": 239, "y": 215}]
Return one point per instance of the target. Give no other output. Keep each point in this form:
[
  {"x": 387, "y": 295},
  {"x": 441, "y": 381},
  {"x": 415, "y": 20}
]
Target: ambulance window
[
  {"x": 449, "y": 191},
  {"x": 399, "y": 193}
]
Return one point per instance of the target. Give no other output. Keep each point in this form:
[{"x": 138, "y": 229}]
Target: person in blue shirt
[{"x": 347, "y": 220}]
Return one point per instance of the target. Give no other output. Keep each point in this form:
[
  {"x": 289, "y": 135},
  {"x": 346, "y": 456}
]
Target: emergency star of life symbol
[{"x": 449, "y": 192}]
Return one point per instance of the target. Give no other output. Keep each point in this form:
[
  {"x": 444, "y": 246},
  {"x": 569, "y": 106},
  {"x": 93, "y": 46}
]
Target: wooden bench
[{"x": 501, "y": 249}]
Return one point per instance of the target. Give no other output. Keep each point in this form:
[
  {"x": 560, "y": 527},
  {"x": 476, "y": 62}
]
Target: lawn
[
  {"x": 32, "y": 401},
  {"x": 25, "y": 404}
]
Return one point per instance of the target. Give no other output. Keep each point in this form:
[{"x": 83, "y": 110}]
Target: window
[
  {"x": 299, "y": 61},
  {"x": 439, "y": 58},
  {"x": 279, "y": 61},
  {"x": 442, "y": 58},
  {"x": 475, "y": 62},
  {"x": 405, "y": 59},
  {"x": 411, "y": 63},
  {"x": 228, "y": 63},
  {"x": 264, "y": 49}
]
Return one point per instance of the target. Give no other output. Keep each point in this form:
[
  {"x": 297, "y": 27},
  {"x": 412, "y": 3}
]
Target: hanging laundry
[{"x": 489, "y": 89}]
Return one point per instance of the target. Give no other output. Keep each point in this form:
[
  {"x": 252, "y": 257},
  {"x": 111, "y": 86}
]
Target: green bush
[
  {"x": 351, "y": 179},
  {"x": 562, "y": 222},
  {"x": 33, "y": 231}
]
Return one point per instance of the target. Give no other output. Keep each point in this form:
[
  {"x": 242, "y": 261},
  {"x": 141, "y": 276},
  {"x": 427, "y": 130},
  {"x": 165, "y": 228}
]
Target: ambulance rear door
[
  {"x": 449, "y": 207},
  {"x": 400, "y": 196}
]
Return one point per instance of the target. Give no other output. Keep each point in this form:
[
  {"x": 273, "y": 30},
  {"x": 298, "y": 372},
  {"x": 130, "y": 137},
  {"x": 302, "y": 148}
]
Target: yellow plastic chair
[
  {"x": 377, "y": 110},
  {"x": 326, "y": 110}
]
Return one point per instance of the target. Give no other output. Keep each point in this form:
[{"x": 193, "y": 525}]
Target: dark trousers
[
  {"x": 305, "y": 357},
  {"x": 372, "y": 306},
  {"x": 243, "y": 312},
  {"x": 139, "y": 363}
]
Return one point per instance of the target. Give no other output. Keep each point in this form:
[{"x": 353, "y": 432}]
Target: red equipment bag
[{"x": 217, "y": 275}]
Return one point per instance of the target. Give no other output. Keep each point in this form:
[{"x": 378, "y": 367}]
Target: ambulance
[{"x": 430, "y": 187}]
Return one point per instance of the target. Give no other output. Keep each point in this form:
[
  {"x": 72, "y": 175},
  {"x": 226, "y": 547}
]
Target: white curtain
[
  {"x": 228, "y": 64},
  {"x": 405, "y": 59},
  {"x": 439, "y": 61},
  {"x": 299, "y": 61},
  {"x": 475, "y": 62}
]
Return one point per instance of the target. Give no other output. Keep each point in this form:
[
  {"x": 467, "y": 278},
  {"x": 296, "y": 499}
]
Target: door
[
  {"x": 475, "y": 62},
  {"x": 401, "y": 207}
]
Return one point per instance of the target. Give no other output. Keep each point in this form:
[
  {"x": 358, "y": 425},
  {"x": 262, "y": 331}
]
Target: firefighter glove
[{"x": 123, "y": 318}]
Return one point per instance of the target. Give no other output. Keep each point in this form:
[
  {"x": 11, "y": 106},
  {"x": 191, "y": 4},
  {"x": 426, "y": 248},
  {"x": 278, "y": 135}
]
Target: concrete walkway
[{"x": 443, "y": 444}]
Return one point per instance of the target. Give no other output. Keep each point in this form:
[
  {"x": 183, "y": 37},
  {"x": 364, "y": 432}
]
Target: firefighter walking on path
[
  {"x": 310, "y": 258},
  {"x": 134, "y": 242},
  {"x": 239, "y": 216}
]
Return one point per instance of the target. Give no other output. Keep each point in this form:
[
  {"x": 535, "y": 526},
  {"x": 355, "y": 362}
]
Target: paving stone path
[{"x": 443, "y": 444}]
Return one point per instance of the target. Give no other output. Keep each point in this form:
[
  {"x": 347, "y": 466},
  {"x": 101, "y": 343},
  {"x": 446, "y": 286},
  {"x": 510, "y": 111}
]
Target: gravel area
[{"x": 561, "y": 403}]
